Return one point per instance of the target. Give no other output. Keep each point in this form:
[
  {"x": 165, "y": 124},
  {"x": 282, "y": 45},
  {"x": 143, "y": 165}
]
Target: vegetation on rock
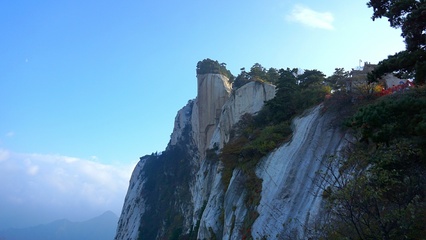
[
  {"x": 167, "y": 191},
  {"x": 211, "y": 66},
  {"x": 410, "y": 16},
  {"x": 377, "y": 188},
  {"x": 253, "y": 137}
]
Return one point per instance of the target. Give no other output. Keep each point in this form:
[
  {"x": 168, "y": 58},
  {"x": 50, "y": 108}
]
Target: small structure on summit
[{"x": 358, "y": 78}]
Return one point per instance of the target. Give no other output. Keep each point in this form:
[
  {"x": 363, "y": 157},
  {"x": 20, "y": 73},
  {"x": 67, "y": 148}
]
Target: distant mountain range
[{"x": 102, "y": 227}]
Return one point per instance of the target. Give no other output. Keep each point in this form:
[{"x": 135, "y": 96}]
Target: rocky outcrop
[
  {"x": 183, "y": 117},
  {"x": 213, "y": 92},
  {"x": 291, "y": 193},
  {"x": 208, "y": 193},
  {"x": 180, "y": 191},
  {"x": 250, "y": 99},
  {"x": 134, "y": 205}
]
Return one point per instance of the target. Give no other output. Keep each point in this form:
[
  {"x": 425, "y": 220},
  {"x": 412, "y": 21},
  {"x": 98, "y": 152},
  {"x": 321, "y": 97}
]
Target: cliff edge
[{"x": 179, "y": 194}]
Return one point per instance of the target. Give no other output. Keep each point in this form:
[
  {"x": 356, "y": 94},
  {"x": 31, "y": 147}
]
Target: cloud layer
[
  {"x": 38, "y": 188},
  {"x": 311, "y": 18}
]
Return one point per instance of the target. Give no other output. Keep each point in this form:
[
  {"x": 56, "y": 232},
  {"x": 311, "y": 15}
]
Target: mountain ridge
[
  {"x": 99, "y": 227},
  {"x": 180, "y": 193}
]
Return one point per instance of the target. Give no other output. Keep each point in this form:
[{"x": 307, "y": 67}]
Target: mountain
[
  {"x": 101, "y": 227},
  {"x": 249, "y": 160},
  {"x": 186, "y": 192}
]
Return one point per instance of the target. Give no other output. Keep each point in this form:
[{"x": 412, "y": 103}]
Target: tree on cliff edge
[
  {"x": 211, "y": 66},
  {"x": 410, "y": 16}
]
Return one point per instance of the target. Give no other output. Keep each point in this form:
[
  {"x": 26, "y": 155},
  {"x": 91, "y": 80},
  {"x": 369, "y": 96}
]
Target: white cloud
[
  {"x": 32, "y": 170},
  {"x": 4, "y": 155},
  {"x": 311, "y": 18},
  {"x": 10, "y": 134},
  {"x": 38, "y": 188}
]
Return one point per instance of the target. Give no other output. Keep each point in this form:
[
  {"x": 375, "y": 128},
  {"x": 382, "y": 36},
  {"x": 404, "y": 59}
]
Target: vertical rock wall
[
  {"x": 213, "y": 92},
  {"x": 291, "y": 196},
  {"x": 209, "y": 197},
  {"x": 249, "y": 98},
  {"x": 207, "y": 209},
  {"x": 134, "y": 205}
]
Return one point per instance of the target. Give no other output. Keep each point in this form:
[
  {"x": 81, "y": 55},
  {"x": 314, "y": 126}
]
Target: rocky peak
[
  {"x": 181, "y": 193},
  {"x": 250, "y": 99},
  {"x": 213, "y": 91}
]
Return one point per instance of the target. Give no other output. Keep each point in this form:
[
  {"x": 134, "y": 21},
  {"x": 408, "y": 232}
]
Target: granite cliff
[{"x": 179, "y": 194}]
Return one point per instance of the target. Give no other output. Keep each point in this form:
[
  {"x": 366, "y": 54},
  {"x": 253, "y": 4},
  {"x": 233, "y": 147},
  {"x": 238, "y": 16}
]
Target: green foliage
[
  {"x": 393, "y": 116},
  {"x": 405, "y": 64},
  {"x": 377, "y": 188},
  {"x": 257, "y": 73},
  {"x": 310, "y": 97},
  {"x": 250, "y": 142},
  {"x": 253, "y": 137},
  {"x": 295, "y": 93},
  {"x": 341, "y": 104},
  {"x": 337, "y": 81},
  {"x": 283, "y": 106},
  {"x": 382, "y": 195},
  {"x": 166, "y": 188},
  {"x": 211, "y": 66},
  {"x": 310, "y": 78},
  {"x": 410, "y": 16},
  {"x": 211, "y": 154},
  {"x": 272, "y": 75},
  {"x": 242, "y": 79}
]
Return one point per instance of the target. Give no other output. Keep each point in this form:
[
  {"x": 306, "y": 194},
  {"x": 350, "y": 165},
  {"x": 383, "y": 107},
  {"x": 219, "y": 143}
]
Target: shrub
[{"x": 211, "y": 66}]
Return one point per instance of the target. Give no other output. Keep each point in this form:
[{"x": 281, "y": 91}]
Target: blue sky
[{"x": 101, "y": 81}]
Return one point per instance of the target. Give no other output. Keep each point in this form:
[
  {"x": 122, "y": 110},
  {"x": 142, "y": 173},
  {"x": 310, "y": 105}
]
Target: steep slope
[
  {"x": 179, "y": 194},
  {"x": 195, "y": 125},
  {"x": 209, "y": 197},
  {"x": 291, "y": 196},
  {"x": 134, "y": 205},
  {"x": 247, "y": 99},
  {"x": 213, "y": 92}
]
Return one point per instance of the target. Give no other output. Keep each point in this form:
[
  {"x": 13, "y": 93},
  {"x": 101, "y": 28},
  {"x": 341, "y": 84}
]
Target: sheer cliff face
[
  {"x": 134, "y": 205},
  {"x": 213, "y": 92},
  {"x": 291, "y": 197},
  {"x": 180, "y": 192},
  {"x": 247, "y": 99}
]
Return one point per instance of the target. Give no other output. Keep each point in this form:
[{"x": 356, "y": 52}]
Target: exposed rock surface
[
  {"x": 180, "y": 192},
  {"x": 247, "y": 99},
  {"x": 134, "y": 205},
  {"x": 183, "y": 117},
  {"x": 213, "y": 92},
  {"x": 291, "y": 196}
]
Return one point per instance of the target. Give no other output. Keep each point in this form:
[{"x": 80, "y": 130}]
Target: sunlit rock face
[
  {"x": 134, "y": 205},
  {"x": 220, "y": 208},
  {"x": 213, "y": 92},
  {"x": 183, "y": 117},
  {"x": 193, "y": 128},
  {"x": 185, "y": 182},
  {"x": 249, "y": 98},
  {"x": 291, "y": 193}
]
